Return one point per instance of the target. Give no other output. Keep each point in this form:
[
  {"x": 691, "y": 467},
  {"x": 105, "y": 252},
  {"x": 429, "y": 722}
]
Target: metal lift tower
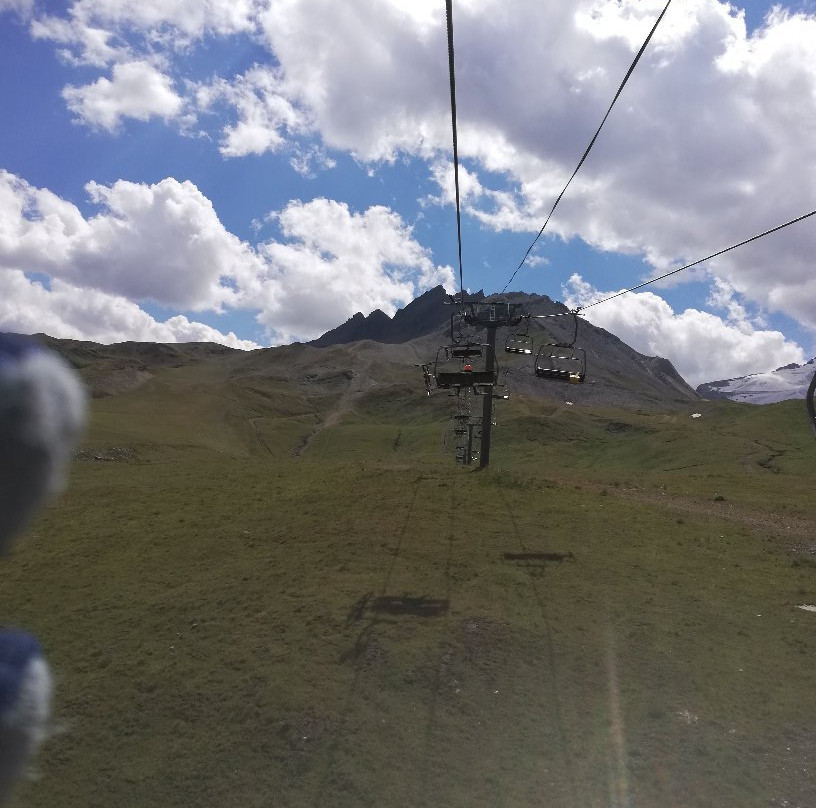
[{"x": 491, "y": 316}]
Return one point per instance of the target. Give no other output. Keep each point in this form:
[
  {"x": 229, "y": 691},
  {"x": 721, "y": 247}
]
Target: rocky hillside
[{"x": 617, "y": 375}]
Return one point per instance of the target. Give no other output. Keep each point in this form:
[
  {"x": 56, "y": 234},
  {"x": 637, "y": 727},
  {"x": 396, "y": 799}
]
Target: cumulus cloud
[
  {"x": 702, "y": 346},
  {"x": 264, "y": 115},
  {"x": 136, "y": 90},
  {"x": 89, "y": 27},
  {"x": 697, "y": 155},
  {"x": 378, "y": 85},
  {"x": 71, "y": 312},
  {"x": 165, "y": 243},
  {"x": 161, "y": 242},
  {"x": 334, "y": 263},
  {"x": 21, "y": 7}
]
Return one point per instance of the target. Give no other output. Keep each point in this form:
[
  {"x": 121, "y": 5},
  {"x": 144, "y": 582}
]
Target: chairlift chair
[
  {"x": 520, "y": 342},
  {"x": 491, "y": 313},
  {"x": 464, "y": 376},
  {"x": 564, "y": 363},
  {"x": 467, "y": 351}
]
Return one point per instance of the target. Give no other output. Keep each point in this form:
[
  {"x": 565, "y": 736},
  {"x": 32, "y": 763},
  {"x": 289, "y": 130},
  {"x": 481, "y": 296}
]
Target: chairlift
[
  {"x": 481, "y": 390},
  {"x": 467, "y": 351},
  {"x": 464, "y": 376},
  {"x": 563, "y": 363},
  {"x": 520, "y": 342},
  {"x": 497, "y": 313},
  {"x": 426, "y": 374},
  {"x": 461, "y": 332}
]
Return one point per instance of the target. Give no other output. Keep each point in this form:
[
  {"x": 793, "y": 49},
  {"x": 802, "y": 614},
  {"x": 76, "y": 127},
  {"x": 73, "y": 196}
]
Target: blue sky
[{"x": 254, "y": 172}]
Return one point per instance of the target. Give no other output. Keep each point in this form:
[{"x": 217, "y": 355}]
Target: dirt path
[
  {"x": 776, "y": 525},
  {"x": 254, "y": 423},
  {"x": 359, "y": 383}
]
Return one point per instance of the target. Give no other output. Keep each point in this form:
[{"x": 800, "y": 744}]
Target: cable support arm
[
  {"x": 572, "y": 312},
  {"x": 575, "y": 312}
]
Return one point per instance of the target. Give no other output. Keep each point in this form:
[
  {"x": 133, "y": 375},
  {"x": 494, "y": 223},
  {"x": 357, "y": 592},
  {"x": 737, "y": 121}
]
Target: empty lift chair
[
  {"x": 562, "y": 361},
  {"x": 519, "y": 343}
]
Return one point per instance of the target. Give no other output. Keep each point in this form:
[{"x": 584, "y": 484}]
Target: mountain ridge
[{"x": 381, "y": 355}]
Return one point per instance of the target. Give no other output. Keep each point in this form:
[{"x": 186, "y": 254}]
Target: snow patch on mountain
[{"x": 789, "y": 382}]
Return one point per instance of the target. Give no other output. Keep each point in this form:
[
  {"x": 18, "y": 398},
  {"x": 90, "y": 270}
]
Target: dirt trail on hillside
[
  {"x": 261, "y": 442},
  {"x": 776, "y": 525},
  {"x": 359, "y": 383}
]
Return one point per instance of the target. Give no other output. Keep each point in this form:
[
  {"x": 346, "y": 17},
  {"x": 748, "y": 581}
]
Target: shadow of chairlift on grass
[
  {"x": 374, "y": 608},
  {"x": 535, "y": 559},
  {"x": 409, "y": 605},
  {"x": 396, "y": 606}
]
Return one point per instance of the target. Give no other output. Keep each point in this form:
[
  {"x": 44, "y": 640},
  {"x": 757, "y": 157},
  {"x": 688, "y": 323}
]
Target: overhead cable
[
  {"x": 591, "y": 143},
  {"x": 700, "y": 261},
  {"x": 452, "y": 74}
]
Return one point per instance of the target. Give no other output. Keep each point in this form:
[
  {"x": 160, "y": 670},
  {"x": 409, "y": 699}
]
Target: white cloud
[
  {"x": 21, "y": 7},
  {"x": 336, "y": 263},
  {"x": 537, "y": 260},
  {"x": 90, "y": 26},
  {"x": 700, "y": 345},
  {"x": 309, "y": 159},
  {"x": 160, "y": 242},
  {"x": 265, "y": 115},
  {"x": 92, "y": 45},
  {"x": 71, "y": 312},
  {"x": 136, "y": 90},
  {"x": 191, "y": 18},
  {"x": 372, "y": 74},
  {"x": 164, "y": 242},
  {"x": 697, "y": 155}
]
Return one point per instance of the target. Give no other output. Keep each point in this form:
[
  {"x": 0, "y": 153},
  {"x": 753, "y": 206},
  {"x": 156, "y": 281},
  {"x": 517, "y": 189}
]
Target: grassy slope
[{"x": 235, "y": 626}]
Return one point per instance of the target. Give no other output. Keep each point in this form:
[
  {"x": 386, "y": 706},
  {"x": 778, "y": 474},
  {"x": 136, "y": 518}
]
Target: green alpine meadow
[{"x": 268, "y": 584}]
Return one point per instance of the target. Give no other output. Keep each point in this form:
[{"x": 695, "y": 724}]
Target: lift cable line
[
  {"x": 700, "y": 261},
  {"x": 452, "y": 74},
  {"x": 591, "y": 143}
]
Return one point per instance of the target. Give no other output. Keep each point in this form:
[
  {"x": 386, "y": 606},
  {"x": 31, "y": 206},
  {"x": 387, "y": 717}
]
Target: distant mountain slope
[
  {"x": 617, "y": 374},
  {"x": 784, "y": 383},
  {"x": 377, "y": 358}
]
